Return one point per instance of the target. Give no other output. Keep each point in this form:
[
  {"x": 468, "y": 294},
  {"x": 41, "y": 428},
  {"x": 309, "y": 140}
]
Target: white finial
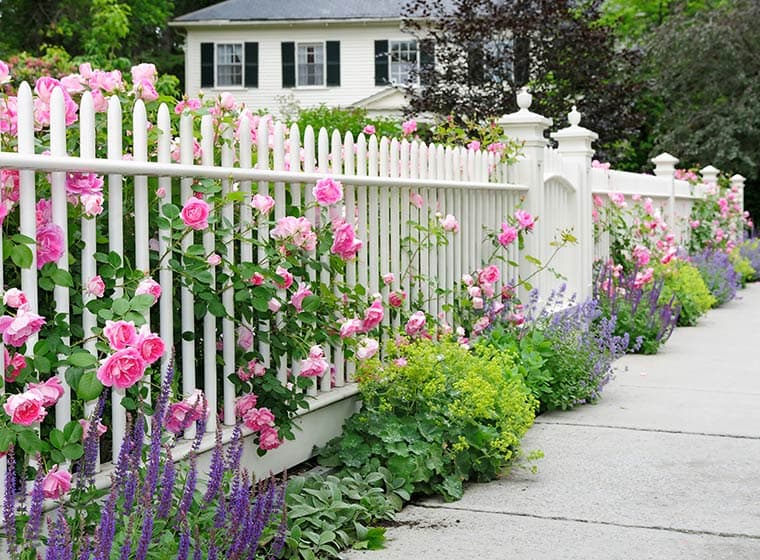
[
  {"x": 574, "y": 117},
  {"x": 524, "y": 99}
]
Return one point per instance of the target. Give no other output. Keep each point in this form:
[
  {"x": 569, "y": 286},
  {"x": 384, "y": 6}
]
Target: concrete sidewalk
[{"x": 666, "y": 466}]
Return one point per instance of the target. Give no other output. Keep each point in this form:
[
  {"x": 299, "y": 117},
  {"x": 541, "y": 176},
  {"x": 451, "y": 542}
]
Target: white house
[{"x": 338, "y": 52}]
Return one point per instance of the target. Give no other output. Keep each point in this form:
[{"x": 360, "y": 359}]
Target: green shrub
[
  {"x": 436, "y": 416},
  {"x": 743, "y": 266},
  {"x": 345, "y": 120},
  {"x": 684, "y": 281}
]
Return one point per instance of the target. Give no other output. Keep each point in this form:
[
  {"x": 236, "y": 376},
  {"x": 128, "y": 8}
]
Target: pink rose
[
  {"x": 488, "y": 289},
  {"x": 388, "y": 278},
  {"x": 327, "y": 191},
  {"x": 245, "y": 338},
  {"x": 50, "y": 244},
  {"x": 161, "y": 192},
  {"x": 49, "y": 391},
  {"x": 269, "y": 438},
  {"x": 408, "y": 127},
  {"x": 474, "y": 145},
  {"x": 694, "y": 224},
  {"x": 415, "y": 323},
  {"x": 5, "y": 74},
  {"x": 474, "y": 291},
  {"x": 195, "y": 213},
  {"x": 148, "y": 286},
  {"x": 400, "y": 362},
  {"x": 450, "y": 223},
  {"x": 508, "y": 234},
  {"x": 244, "y": 404},
  {"x": 99, "y": 430},
  {"x": 25, "y": 409},
  {"x": 263, "y": 203},
  {"x": 120, "y": 334},
  {"x": 489, "y": 274},
  {"x": 214, "y": 259},
  {"x": 345, "y": 244},
  {"x": 369, "y": 129},
  {"x": 373, "y": 316},
  {"x": 524, "y": 219},
  {"x": 274, "y": 305},
  {"x": 179, "y": 417},
  {"x": 146, "y": 91},
  {"x": 13, "y": 365},
  {"x": 618, "y": 199},
  {"x": 296, "y": 231},
  {"x": 253, "y": 369},
  {"x": 302, "y": 293},
  {"x": 258, "y": 418},
  {"x": 96, "y": 287},
  {"x": 43, "y": 212},
  {"x": 396, "y": 299},
  {"x": 144, "y": 72},
  {"x": 481, "y": 325},
  {"x": 416, "y": 199},
  {"x": 56, "y": 484},
  {"x": 367, "y": 348},
  {"x": 641, "y": 255},
  {"x": 257, "y": 279},
  {"x": 150, "y": 346},
  {"x": 477, "y": 303},
  {"x": 315, "y": 365},
  {"x": 467, "y": 280},
  {"x": 122, "y": 369},
  {"x": 14, "y": 298},
  {"x": 350, "y": 327},
  {"x": 79, "y": 184},
  {"x": 287, "y": 278},
  {"x": 227, "y": 101},
  {"x": 16, "y": 330}
]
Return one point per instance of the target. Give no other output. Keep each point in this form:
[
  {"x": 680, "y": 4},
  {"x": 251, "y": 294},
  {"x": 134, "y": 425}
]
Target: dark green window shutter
[
  {"x": 427, "y": 60},
  {"x": 251, "y": 73},
  {"x": 381, "y": 63},
  {"x": 288, "y": 65},
  {"x": 333, "y": 63},
  {"x": 207, "y": 65}
]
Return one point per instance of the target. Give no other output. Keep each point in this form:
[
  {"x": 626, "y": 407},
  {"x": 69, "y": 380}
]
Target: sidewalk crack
[{"x": 655, "y": 430}]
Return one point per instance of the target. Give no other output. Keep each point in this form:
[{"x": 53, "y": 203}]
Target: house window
[
  {"x": 311, "y": 64},
  {"x": 229, "y": 65},
  {"x": 403, "y": 61}
]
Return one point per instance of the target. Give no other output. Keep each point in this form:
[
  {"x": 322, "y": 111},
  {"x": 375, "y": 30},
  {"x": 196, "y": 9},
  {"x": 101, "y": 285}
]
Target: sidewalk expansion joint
[
  {"x": 721, "y": 534},
  {"x": 655, "y": 430}
]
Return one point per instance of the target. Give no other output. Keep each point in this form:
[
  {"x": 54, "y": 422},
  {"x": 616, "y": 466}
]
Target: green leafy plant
[
  {"x": 684, "y": 281},
  {"x": 436, "y": 416},
  {"x": 743, "y": 266}
]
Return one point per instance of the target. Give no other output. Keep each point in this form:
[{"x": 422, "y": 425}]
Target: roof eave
[{"x": 279, "y": 22}]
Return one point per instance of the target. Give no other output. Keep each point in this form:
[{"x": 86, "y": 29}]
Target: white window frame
[
  {"x": 323, "y": 46},
  {"x": 217, "y": 85},
  {"x": 416, "y": 68}
]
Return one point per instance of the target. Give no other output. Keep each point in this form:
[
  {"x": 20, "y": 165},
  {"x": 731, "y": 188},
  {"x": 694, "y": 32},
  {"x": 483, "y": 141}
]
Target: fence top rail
[
  {"x": 40, "y": 162},
  {"x": 628, "y": 193}
]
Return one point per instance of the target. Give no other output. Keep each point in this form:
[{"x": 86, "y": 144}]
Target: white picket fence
[{"x": 378, "y": 175}]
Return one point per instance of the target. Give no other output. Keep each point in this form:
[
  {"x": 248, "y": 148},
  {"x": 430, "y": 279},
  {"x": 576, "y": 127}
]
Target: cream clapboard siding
[{"x": 357, "y": 69}]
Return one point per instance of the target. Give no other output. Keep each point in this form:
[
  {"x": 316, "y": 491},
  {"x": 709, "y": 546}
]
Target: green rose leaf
[
  {"x": 21, "y": 255},
  {"x": 57, "y": 438},
  {"x": 72, "y": 451},
  {"x": 89, "y": 387},
  {"x": 82, "y": 359},
  {"x": 62, "y": 278},
  {"x": 120, "y": 306}
]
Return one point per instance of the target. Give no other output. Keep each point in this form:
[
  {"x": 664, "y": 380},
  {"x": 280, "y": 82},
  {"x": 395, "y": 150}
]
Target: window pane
[
  {"x": 229, "y": 65},
  {"x": 311, "y": 58},
  {"x": 403, "y": 61}
]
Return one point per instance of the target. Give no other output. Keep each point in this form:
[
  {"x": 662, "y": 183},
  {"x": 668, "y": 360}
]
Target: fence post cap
[
  {"x": 525, "y": 115},
  {"x": 665, "y": 159},
  {"x": 709, "y": 169},
  {"x": 574, "y": 131},
  {"x": 738, "y": 180}
]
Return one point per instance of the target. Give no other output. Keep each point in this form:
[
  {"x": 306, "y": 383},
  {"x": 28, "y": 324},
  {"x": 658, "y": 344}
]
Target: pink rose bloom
[
  {"x": 146, "y": 91},
  {"x": 14, "y": 298},
  {"x": 25, "y": 409},
  {"x": 274, "y": 305},
  {"x": 694, "y": 224},
  {"x": 450, "y": 223},
  {"x": 367, "y": 348},
  {"x": 477, "y": 303},
  {"x": 13, "y": 365},
  {"x": 415, "y": 323},
  {"x": 122, "y": 369},
  {"x": 388, "y": 278},
  {"x": 269, "y": 438},
  {"x": 107, "y": 81},
  {"x": 161, "y": 192},
  {"x": 257, "y": 418},
  {"x": 295, "y": 230},
  {"x": 150, "y": 346},
  {"x": 180, "y": 416},
  {"x": 96, "y": 287},
  {"x": 245, "y": 338},
  {"x": 257, "y": 279},
  {"x": 508, "y": 234},
  {"x": 262, "y": 202},
  {"x": 598, "y": 202},
  {"x": 92, "y": 204},
  {"x": 345, "y": 244},
  {"x": 214, "y": 259},
  {"x": 643, "y": 277},
  {"x": 49, "y": 391},
  {"x": 474, "y": 291},
  {"x": 488, "y": 289},
  {"x": 373, "y": 316},
  {"x": 525, "y": 220},
  {"x": 369, "y": 129},
  {"x": 618, "y": 199},
  {"x": 396, "y": 299},
  {"x": 315, "y": 365},
  {"x": 327, "y": 191},
  {"x": 44, "y": 87},
  {"x": 195, "y": 213},
  {"x": 481, "y": 325},
  {"x": 245, "y": 403},
  {"x": 253, "y": 369},
  {"x": 148, "y": 286},
  {"x": 350, "y": 327},
  {"x": 400, "y": 362},
  {"x": 99, "y": 430},
  {"x": 78, "y": 183},
  {"x": 648, "y": 205},
  {"x": 498, "y": 307},
  {"x": 302, "y": 293},
  {"x": 56, "y": 484},
  {"x": 287, "y": 278},
  {"x": 50, "y": 244},
  {"x": 226, "y": 101},
  {"x": 474, "y": 145},
  {"x": 596, "y": 164},
  {"x": 44, "y": 212},
  {"x": 409, "y": 127},
  {"x": 416, "y": 199},
  {"x": 16, "y": 330},
  {"x": 516, "y": 318},
  {"x": 120, "y": 334},
  {"x": 641, "y": 255},
  {"x": 671, "y": 253},
  {"x": 9, "y": 115},
  {"x": 467, "y": 280},
  {"x": 5, "y": 74},
  {"x": 489, "y": 275}
]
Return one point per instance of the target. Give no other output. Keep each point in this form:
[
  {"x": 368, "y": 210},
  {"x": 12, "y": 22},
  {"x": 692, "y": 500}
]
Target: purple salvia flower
[
  {"x": 212, "y": 552},
  {"x": 9, "y": 500},
  {"x": 190, "y": 482},
  {"x": 216, "y": 471},
  {"x": 107, "y": 527},
  {"x": 84, "y": 552},
  {"x": 167, "y": 486},
  {"x": 92, "y": 445},
  {"x": 146, "y": 535},
  {"x": 235, "y": 449},
  {"x": 279, "y": 540},
  {"x": 184, "y": 543},
  {"x": 32, "y": 529}
]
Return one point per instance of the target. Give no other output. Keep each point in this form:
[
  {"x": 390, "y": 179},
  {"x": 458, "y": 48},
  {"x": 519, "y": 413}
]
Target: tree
[
  {"x": 705, "y": 74},
  {"x": 485, "y": 50}
]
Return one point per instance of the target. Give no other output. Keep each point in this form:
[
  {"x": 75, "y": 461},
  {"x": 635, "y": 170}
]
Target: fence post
[
  {"x": 737, "y": 184},
  {"x": 574, "y": 145},
  {"x": 665, "y": 166},
  {"x": 709, "y": 174},
  {"x": 529, "y": 127}
]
